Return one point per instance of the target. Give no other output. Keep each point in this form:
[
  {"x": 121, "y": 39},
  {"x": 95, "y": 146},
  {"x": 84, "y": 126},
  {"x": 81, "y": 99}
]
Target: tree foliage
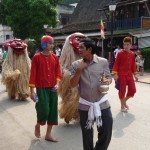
[
  {"x": 27, "y": 17},
  {"x": 146, "y": 55}
]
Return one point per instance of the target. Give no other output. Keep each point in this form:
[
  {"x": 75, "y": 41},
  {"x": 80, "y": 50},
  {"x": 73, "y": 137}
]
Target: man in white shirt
[
  {"x": 86, "y": 74},
  {"x": 58, "y": 52},
  {"x": 116, "y": 51}
]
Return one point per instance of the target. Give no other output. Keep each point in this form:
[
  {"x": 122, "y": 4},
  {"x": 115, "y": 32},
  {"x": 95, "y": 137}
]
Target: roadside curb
[{"x": 143, "y": 82}]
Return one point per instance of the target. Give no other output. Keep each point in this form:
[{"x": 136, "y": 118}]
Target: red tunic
[
  {"x": 125, "y": 67},
  {"x": 45, "y": 71},
  {"x": 125, "y": 63}
]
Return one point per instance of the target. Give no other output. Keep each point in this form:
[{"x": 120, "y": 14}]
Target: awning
[
  {"x": 89, "y": 34},
  {"x": 142, "y": 34}
]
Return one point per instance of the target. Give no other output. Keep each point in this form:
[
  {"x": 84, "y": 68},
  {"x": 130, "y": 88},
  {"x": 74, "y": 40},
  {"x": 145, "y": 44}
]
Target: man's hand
[
  {"x": 82, "y": 65},
  {"x": 106, "y": 81},
  {"x": 75, "y": 79}
]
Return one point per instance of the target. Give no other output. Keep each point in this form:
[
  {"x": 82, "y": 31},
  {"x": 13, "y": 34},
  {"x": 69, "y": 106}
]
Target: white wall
[{"x": 5, "y": 30}]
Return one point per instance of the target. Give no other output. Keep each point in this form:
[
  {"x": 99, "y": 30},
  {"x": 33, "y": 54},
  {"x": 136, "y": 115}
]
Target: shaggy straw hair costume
[
  {"x": 15, "y": 74},
  {"x": 68, "y": 108}
]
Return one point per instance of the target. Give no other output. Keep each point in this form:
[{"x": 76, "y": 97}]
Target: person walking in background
[
  {"x": 124, "y": 69},
  {"x": 44, "y": 76},
  {"x": 57, "y": 51},
  {"x": 4, "y": 55},
  {"x": 116, "y": 51},
  {"x": 140, "y": 63},
  {"x": 86, "y": 73}
]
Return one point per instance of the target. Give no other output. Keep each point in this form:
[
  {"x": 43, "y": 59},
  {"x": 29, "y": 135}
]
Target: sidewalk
[{"x": 145, "y": 78}]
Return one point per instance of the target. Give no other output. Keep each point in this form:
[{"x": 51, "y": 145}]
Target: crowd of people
[
  {"x": 89, "y": 99},
  {"x": 56, "y": 71}
]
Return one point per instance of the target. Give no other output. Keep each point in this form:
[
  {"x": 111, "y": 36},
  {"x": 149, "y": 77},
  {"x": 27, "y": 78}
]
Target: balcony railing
[{"x": 124, "y": 24}]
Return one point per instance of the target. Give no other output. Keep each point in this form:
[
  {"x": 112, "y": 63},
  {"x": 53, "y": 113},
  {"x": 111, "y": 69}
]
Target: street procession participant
[
  {"x": 124, "y": 69},
  {"x": 45, "y": 75},
  {"x": 16, "y": 70},
  {"x": 86, "y": 73},
  {"x": 68, "y": 105}
]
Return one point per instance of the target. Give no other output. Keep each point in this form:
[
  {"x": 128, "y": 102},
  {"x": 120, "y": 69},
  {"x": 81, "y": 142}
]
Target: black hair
[{"x": 88, "y": 43}]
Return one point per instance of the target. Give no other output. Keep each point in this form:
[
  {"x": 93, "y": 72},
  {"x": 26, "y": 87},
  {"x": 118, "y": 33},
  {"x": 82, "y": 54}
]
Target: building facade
[
  {"x": 129, "y": 17},
  {"x": 64, "y": 13},
  {"x": 5, "y": 34}
]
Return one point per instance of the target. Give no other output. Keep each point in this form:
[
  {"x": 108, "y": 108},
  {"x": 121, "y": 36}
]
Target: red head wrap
[{"x": 47, "y": 39}]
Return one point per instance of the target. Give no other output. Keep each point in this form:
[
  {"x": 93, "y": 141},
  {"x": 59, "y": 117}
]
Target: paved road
[{"x": 131, "y": 131}]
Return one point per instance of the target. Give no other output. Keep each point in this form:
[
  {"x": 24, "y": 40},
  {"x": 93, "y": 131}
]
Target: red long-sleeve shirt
[
  {"x": 125, "y": 63},
  {"x": 45, "y": 71}
]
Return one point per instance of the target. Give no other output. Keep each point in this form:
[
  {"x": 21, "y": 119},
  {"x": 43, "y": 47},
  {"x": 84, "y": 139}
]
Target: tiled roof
[
  {"x": 77, "y": 27},
  {"x": 86, "y": 16}
]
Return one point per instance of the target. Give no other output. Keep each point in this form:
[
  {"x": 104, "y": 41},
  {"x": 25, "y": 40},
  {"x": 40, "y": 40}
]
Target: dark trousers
[{"x": 104, "y": 132}]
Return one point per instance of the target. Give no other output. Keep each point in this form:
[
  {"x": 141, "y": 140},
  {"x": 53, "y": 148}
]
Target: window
[
  {"x": 7, "y": 37},
  {"x": 64, "y": 20}
]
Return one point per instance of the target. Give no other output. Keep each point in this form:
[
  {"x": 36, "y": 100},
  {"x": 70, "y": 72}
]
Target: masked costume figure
[
  {"x": 68, "y": 106},
  {"x": 16, "y": 70}
]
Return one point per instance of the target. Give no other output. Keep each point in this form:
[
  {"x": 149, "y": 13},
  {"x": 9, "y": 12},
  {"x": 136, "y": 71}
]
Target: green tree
[
  {"x": 43, "y": 13},
  {"x": 27, "y": 17},
  {"x": 3, "y": 13},
  {"x": 146, "y": 55}
]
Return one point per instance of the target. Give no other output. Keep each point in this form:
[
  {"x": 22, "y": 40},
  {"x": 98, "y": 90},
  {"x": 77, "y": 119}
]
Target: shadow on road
[
  {"x": 1, "y": 92},
  {"x": 6, "y": 103},
  {"x": 69, "y": 139},
  {"x": 122, "y": 121}
]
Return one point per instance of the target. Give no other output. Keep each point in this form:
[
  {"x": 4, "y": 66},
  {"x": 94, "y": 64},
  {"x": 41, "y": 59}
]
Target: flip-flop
[{"x": 51, "y": 140}]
